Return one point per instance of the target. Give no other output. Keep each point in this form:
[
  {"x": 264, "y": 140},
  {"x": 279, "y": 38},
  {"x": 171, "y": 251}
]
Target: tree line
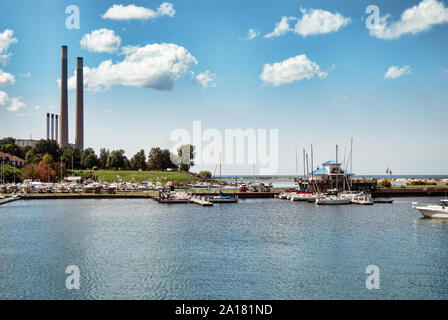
[{"x": 46, "y": 161}]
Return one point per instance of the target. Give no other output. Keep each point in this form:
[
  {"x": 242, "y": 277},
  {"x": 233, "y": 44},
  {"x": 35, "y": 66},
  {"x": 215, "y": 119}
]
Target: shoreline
[{"x": 384, "y": 192}]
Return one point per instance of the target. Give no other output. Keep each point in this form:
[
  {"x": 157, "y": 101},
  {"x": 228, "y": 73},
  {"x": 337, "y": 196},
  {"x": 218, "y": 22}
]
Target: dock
[
  {"x": 202, "y": 201},
  {"x": 7, "y": 200}
]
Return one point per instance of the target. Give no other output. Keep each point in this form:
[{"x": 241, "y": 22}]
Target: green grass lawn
[{"x": 126, "y": 176}]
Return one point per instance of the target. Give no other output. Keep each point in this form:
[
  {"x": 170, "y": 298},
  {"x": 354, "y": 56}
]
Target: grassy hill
[{"x": 126, "y": 176}]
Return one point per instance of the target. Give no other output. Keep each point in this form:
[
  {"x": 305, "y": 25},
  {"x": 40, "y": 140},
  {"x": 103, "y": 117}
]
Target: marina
[{"x": 292, "y": 253}]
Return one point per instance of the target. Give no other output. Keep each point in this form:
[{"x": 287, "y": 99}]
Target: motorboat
[
  {"x": 223, "y": 198},
  {"x": 433, "y": 211}
]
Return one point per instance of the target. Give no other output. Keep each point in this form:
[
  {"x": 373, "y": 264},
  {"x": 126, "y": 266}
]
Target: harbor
[{"x": 283, "y": 253}]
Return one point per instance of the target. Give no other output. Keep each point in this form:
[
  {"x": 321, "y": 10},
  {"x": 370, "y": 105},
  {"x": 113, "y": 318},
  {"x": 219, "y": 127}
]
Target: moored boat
[{"x": 433, "y": 211}]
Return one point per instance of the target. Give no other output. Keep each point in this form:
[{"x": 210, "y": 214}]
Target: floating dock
[
  {"x": 10, "y": 199},
  {"x": 203, "y": 201}
]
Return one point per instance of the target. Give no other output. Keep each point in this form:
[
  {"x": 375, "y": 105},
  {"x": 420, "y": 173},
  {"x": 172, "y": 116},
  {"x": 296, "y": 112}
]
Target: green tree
[
  {"x": 69, "y": 154},
  {"x": 102, "y": 159},
  {"x": 28, "y": 171},
  {"x": 206, "y": 175},
  {"x": 138, "y": 161},
  {"x": 186, "y": 156},
  {"x": 116, "y": 160},
  {"x": 155, "y": 159},
  {"x": 9, "y": 172},
  {"x": 42, "y": 147},
  {"x": 166, "y": 160},
  {"x": 88, "y": 159}
]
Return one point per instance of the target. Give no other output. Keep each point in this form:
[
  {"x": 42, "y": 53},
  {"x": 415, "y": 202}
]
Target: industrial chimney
[
  {"x": 52, "y": 126},
  {"x": 56, "y": 122},
  {"x": 79, "y": 137},
  {"x": 63, "y": 133},
  {"x": 48, "y": 126}
]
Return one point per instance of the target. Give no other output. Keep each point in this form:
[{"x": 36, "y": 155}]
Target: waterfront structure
[
  {"x": 330, "y": 172},
  {"x": 63, "y": 133},
  {"x": 79, "y": 135},
  {"x": 25, "y": 142},
  {"x": 9, "y": 159}
]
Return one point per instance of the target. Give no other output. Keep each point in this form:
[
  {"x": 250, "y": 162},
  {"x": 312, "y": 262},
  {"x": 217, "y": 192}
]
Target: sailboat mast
[{"x": 297, "y": 165}]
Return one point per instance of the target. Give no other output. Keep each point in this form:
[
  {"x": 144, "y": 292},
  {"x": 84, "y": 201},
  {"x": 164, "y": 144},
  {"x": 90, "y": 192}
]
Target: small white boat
[
  {"x": 333, "y": 201},
  {"x": 433, "y": 211}
]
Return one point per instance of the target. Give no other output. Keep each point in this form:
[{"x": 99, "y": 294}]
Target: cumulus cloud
[
  {"x": 316, "y": 21},
  {"x": 206, "y": 79},
  {"x": 101, "y": 40},
  {"x": 312, "y": 22},
  {"x": 6, "y": 78},
  {"x": 416, "y": 19},
  {"x": 251, "y": 34},
  {"x": 396, "y": 72},
  {"x": 6, "y": 40},
  {"x": 154, "y": 66},
  {"x": 290, "y": 70},
  {"x": 281, "y": 27},
  {"x": 130, "y": 12},
  {"x": 11, "y": 104}
]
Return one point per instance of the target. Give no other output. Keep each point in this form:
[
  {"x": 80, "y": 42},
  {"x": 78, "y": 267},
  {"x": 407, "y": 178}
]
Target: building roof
[
  {"x": 319, "y": 171},
  {"x": 324, "y": 171},
  {"x": 11, "y": 157}
]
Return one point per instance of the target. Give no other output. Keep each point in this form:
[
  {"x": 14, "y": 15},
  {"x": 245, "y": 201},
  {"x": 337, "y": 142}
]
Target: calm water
[{"x": 266, "y": 249}]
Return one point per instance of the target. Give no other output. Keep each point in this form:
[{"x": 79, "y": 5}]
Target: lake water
[{"x": 256, "y": 249}]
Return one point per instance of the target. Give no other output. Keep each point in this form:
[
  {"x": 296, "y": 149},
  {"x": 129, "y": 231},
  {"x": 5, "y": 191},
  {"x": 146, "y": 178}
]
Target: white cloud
[
  {"x": 281, "y": 28},
  {"x": 317, "y": 21},
  {"x": 129, "y": 12},
  {"x": 11, "y": 104},
  {"x": 290, "y": 70},
  {"x": 6, "y": 78},
  {"x": 251, "y": 34},
  {"x": 154, "y": 66},
  {"x": 6, "y": 40},
  {"x": 413, "y": 20},
  {"x": 395, "y": 72},
  {"x": 102, "y": 40},
  {"x": 37, "y": 107},
  {"x": 206, "y": 79}
]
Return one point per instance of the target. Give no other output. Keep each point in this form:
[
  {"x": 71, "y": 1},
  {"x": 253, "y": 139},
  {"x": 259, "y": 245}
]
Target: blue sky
[{"x": 398, "y": 122}]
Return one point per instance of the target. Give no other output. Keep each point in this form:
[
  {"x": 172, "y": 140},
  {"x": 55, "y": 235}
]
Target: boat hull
[
  {"x": 433, "y": 213},
  {"x": 333, "y": 201}
]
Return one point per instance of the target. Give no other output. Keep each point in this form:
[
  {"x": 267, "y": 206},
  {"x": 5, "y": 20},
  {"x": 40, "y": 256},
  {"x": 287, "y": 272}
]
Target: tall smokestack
[
  {"x": 56, "y": 122},
  {"x": 63, "y": 133},
  {"x": 79, "y": 140},
  {"x": 48, "y": 126},
  {"x": 52, "y": 126}
]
